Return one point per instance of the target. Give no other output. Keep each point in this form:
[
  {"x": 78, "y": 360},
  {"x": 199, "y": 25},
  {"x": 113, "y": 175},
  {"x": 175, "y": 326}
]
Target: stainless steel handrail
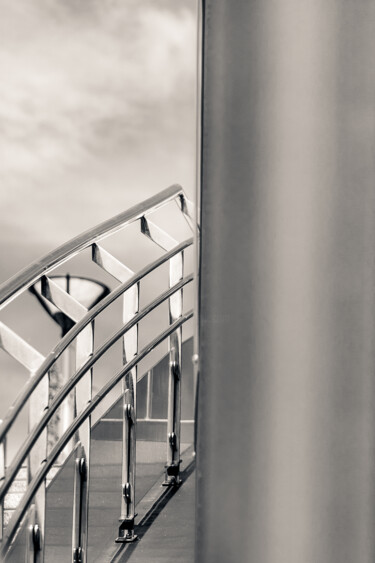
[
  {"x": 59, "y": 446},
  {"x": 82, "y": 334},
  {"x": 73, "y": 333},
  {"x": 75, "y": 378},
  {"x": 27, "y": 277}
]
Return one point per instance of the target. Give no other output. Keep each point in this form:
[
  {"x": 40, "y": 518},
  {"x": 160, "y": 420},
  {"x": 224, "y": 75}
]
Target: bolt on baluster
[
  {"x": 79, "y": 532},
  {"x": 126, "y": 529}
]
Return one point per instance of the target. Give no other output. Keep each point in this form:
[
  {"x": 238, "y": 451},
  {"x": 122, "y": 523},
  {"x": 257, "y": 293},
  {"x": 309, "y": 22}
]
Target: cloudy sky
[{"x": 97, "y": 113}]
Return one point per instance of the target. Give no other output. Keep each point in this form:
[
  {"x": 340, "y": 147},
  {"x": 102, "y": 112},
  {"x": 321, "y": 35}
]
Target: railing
[{"x": 44, "y": 401}]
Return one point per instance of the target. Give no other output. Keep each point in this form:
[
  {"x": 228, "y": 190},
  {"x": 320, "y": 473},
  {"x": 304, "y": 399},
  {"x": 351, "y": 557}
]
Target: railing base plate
[
  {"x": 173, "y": 483},
  {"x": 126, "y": 539}
]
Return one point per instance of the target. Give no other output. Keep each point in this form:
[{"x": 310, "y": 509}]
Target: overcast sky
[{"x": 96, "y": 114}]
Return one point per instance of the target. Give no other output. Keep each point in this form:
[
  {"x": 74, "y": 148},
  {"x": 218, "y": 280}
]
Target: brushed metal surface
[{"x": 286, "y": 406}]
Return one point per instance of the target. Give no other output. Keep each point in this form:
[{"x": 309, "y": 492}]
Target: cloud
[
  {"x": 72, "y": 88},
  {"x": 90, "y": 92}
]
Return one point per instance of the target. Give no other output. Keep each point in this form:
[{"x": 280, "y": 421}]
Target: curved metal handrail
[
  {"x": 28, "y": 276},
  {"x": 42, "y": 409},
  {"x": 75, "y": 378},
  {"x": 32, "y": 383},
  {"x": 69, "y": 433}
]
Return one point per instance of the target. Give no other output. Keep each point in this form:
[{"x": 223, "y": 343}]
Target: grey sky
[{"x": 96, "y": 113}]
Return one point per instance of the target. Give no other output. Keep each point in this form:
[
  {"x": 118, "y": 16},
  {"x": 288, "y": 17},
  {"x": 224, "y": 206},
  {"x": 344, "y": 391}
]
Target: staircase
[{"x": 120, "y": 463}]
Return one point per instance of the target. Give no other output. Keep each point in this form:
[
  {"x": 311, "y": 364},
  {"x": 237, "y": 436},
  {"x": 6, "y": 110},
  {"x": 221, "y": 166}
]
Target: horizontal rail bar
[
  {"x": 69, "y": 433},
  {"x": 29, "y": 275},
  {"x": 71, "y": 383},
  {"x": 73, "y": 333}
]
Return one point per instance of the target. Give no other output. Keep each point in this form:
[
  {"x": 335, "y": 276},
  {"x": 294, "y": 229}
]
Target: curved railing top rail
[
  {"x": 55, "y": 353},
  {"x": 71, "y": 383},
  {"x": 43, "y": 403},
  {"x": 29, "y": 275}
]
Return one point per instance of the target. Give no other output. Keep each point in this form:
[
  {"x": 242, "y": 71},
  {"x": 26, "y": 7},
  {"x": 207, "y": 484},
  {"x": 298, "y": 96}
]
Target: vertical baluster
[
  {"x": 172, "y": 474},
  {"x": 36, "y": 519},
  {"x": 83, "y": 349},
  {"x": 176, "y": 268},
  {"x": 59, "y": 376},
  {"x": 31, "y": 359},
  {"x": 34, "y": 543},
  {"x": 80, "y": 506},
  {"x": 130, "y": 349}
]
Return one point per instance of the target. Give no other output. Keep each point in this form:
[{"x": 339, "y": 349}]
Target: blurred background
[{"x": 97, "y": 113}]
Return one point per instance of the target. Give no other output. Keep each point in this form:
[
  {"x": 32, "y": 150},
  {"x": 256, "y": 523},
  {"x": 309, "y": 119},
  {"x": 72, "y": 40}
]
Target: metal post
[
  {"x": 83, "y": 348},
  {"x": 60, "y": 291},
  {"x": 79, "y": 539},
  {"x": 38, "y": 403},
  {"x": 285, "y": 459},
  {"x": 83, "y": 394},
  {"x": 31, "y": 359},
  {"x": 172, "y": 473},
  {"x": 34, "y": 545},
  {"x": 58, "y": 376},
  {"x": 130, "y": 349},
  {"x": 176, "y": 269}
]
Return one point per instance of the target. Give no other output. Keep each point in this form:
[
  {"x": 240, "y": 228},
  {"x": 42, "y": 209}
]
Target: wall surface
[{"x": 286, "y": 408}]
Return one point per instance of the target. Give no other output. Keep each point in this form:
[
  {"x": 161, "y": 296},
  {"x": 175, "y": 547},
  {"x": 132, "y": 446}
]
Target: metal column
[{"x": 286, "y": 429}]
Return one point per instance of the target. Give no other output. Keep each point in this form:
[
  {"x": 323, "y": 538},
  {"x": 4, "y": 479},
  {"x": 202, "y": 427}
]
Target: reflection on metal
[
  {"x": 63, "y": 344},
  {"x": 110, "y": 264},
  {"x": 86, "y": 292},
  {"x": 38, "y": 404},
  {"x": 62, "y": 299},
  {"x": 129, "y": 388},
  {"x": 53, "y": 455},
  {"x": 126, "y": 529},
  {"x": 189, "y": 211},
  {"x": 176, "y": 269},
  {"x": 287, "y": 283},
  {"x": 34, "y": 543},
  {"x": 157, "y": 235},
  {"x": 80, "y": 507},
  {"x": 67, "y": 299},
  {"x": 46, "y": 394},
  {"x": 19, "y": 349},
  {"x": 69, "y": 385},
  {"x": 130, "y": 348},
  {"x": 31, "y": 359},
  {"x": 27, "y": 277},
  {"x": 83, "y": 348}
]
